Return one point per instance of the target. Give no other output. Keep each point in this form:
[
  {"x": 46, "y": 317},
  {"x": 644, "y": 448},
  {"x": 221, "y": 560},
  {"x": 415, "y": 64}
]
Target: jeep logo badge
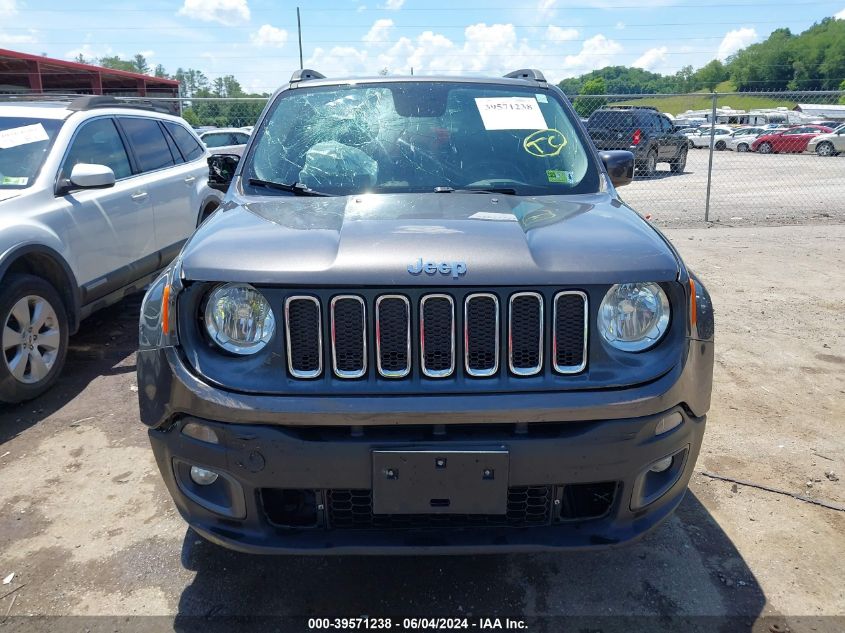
[{"x": 456, "y": 269}]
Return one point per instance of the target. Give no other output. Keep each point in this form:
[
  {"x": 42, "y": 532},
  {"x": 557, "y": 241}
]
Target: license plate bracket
[{"x": 432, "y": 481}]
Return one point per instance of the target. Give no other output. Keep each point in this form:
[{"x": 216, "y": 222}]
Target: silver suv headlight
[
  {"x": 239, "y": 319},
  {"x": 633, "y": 317}
]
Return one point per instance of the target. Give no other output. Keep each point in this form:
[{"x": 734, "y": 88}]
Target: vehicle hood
[
  {"x": 373, "y": 240},
  {"x": 8, "y": 194}
]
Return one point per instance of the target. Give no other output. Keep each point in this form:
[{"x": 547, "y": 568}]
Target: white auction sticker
[
  {"x": 510, "y": 113},
  {"x": 23, "y": 136}
]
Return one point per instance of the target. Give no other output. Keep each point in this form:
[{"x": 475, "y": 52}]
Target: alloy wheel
[{"x": 31, "y": 339}]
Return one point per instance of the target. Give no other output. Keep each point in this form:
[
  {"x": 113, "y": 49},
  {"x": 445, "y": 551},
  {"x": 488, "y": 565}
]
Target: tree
[
  {"x": 140, "y": 64},
  {"x": 191, "y": 82},
  {"x": 585, "y": 104},
  {"x": 80, "y": 59},
  {"x": 710, "y": 75},
  {"x": 161, "y": 72},
  {"x": 115, "y": 63}
]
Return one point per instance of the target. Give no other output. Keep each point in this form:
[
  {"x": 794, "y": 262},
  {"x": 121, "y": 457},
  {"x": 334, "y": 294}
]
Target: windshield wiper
[
  {"x": 296, "y": 188},
  {"x": 505, "y": 191}
]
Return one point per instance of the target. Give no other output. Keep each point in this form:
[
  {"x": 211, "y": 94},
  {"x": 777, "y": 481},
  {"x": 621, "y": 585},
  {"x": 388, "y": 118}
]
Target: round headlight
[
  {"x": 239, "y": 319},
  {"x": 633, "y": 317}
]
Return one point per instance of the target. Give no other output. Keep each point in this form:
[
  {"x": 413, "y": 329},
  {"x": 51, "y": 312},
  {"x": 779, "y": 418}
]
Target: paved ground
[
  {"x": 747, "y": 189},
  {"x": 88, "y": 528}
]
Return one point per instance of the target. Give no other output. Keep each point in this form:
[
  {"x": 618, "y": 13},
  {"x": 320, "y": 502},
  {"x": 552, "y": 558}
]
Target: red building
[{"x": 25, "y": 73}]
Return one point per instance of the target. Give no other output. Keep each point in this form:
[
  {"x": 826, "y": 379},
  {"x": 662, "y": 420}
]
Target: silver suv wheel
[{"x": 31, "y": 339}]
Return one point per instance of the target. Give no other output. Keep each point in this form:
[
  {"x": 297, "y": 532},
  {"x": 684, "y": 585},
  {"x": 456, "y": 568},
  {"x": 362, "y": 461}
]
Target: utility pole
[{"x": 299, "y": 32}]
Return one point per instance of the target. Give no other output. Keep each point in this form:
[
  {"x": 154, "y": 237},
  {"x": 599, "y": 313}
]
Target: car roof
[
  {"x": 224, "y": 129},
  {"x": 35, "y": 109}
]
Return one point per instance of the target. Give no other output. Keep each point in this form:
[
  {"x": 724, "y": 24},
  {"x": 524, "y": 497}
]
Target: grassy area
[{"x": 682, "y": 103}]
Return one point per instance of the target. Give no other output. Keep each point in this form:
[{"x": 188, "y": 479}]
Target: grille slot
[
  {"x": 525, "y": 333},
  {"x": 393, "y": 336},
  {"x": 481, "y": 334},
  {"x": 353, "y": 509},
  {"x": 569, "y": 340},
  {"x": 303, "y": 331},
  {"x": 349, "y": 336},
  {"x": 437, "y": 335}
]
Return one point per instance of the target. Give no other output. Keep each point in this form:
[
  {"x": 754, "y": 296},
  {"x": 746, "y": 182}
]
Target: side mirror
[
  {"x": 90, "y": 176},
  {"x": 221, "y": 170},
  {"x": 619, "y": 165}
]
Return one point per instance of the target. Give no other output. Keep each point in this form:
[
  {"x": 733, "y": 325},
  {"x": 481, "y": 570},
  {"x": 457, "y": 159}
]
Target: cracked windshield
[{"x": 423, "y": 137}]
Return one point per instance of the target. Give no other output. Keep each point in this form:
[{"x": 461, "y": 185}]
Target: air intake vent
[
  {"x": 481, "y": 334},
  {"x": 525, "y": 333},
  {"x": 349, "y": 336},
  {"x": 569, "y": 342},
  {"x": 304, "y": 336},
  {"x": 393, "y": 336},
  {"x": 437, "y": 335}
]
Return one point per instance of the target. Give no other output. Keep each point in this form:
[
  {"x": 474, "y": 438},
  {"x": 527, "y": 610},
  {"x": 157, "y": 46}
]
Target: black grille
[
  {"x": 482, "y": 335},
  {"x": 570, "y": 309},
  {"x": 348, "y": 337},
  {"x": 526, "y": 334},
  {"x": 353, "y": 509},
  {"x": 392, "y": 331},
  {"x": 438, "y": 336},
  {"x": 303, "y": 337}
]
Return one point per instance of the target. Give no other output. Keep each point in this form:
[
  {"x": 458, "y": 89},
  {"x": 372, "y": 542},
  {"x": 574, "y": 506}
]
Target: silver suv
[{"x": 96, "y": 197}]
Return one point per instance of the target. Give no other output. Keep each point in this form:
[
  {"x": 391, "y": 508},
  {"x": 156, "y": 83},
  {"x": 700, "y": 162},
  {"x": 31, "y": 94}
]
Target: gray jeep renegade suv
[{"x": 423, "y": 321}]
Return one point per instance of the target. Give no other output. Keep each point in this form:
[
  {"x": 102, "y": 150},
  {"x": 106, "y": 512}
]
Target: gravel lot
[
  {"x": 747, "y": 189},
  {"x": 88, "y": 528}
]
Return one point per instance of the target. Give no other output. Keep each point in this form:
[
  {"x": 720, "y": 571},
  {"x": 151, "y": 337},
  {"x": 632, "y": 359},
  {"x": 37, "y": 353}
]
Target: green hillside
[{"x": 682, "y": 103}]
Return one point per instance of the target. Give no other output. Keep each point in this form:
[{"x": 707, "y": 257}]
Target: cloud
[
  {"x": 489, "y": 49},
  {"x": 226, "y": 12},
  {"x": 394, "y": 5},
  {"x": 18, "y": 38},
  {"x": 596, "y": 52},
  {"x": 546, "y": 6},
  {"x": 840, "y": 15},
  {"x": 620, "y": 26},
  {"x": 557, "y": 34},
  {"x": 735, "y": 40},
  {"x": 379, "y": 32},
  {"x": 268, "y": 35},
  {"x": 652, "y": 58},
  {"x": 89, "y": 52}
]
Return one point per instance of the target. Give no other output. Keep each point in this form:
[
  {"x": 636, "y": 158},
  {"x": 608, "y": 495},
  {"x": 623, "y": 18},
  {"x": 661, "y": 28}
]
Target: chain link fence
[{"x": 727, "y": 157}]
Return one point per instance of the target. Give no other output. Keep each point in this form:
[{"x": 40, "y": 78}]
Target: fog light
[
  {"x": 200, "y": 432},
  {"x": 668, "y": 423},
  {"x": 657, "y": 467},
  {"x": 203, "y": 477}
]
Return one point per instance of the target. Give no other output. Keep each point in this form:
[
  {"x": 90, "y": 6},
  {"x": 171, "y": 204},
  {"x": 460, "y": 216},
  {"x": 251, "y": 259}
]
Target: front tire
[
  {"x": 35, "y": 337},
  {"x": 825, "y": 149},
  {"x": 742, "y": 147},
  {"x": 765, "y": 148},
  {"x": 720, "y": 145}
]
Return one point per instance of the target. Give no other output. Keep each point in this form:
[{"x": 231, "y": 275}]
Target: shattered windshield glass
[{"x": 420, "y": 137}]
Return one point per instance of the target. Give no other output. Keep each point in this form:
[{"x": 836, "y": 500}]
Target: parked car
[
  {"x": 231, "y": 140},
  {"x": 741, "y": 139},
  {"x": 96, "y": 197},
  {"x": 645, "y": 132},
  {"x": 432, "y": 366},
  {"x": 829, "y": 144},
  {"x": 790, "y": 140},
  {"x": 720, "y": 139}
]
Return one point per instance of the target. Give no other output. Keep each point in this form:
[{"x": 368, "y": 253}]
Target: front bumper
[
  {"x": 254, "y": 459},
  {"x": 321, "y": 445}
]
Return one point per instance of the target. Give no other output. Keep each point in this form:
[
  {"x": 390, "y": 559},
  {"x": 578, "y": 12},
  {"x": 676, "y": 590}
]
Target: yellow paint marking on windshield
[{"x": 544, "y": 143}]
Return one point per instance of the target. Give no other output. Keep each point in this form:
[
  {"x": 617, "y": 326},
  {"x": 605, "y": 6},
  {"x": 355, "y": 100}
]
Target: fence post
[{"x": 710, "y": 161}]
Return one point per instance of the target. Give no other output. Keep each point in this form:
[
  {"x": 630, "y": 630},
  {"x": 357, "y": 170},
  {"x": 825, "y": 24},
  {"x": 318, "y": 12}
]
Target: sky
[{"x": 256, "y": 40}]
